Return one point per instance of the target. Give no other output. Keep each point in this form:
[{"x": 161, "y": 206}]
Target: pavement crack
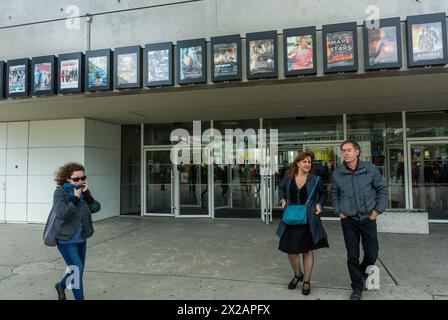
[
  {"x": 102, "y": 242},
  {"x": 388, "y": 272},
  {"x": 204, "y": 277},
  {"x": 10, "y": 276}
]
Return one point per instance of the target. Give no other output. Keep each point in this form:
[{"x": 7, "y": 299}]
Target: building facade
[{"x": 125, "y": 136}]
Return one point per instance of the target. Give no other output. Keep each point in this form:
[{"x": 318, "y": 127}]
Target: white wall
[
  {"x": 32, "y": 151},
  {"x": 16, "y": 171},
  {"x": 52, "y": 143},
  {"x": 3, "y": 136},
  {"x": 102, "y": 161}
]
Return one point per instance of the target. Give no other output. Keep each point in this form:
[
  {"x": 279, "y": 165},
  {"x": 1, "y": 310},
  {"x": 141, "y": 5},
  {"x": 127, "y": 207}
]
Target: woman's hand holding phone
[
  {"x": 77, "y": 192},
  {"x": 85, "y": 186}
]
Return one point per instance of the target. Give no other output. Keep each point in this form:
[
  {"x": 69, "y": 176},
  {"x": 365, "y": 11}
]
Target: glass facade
[
  {"x": 159, "y": 134},
  {"x": 131, "y": 167},
  {"x": 320, "y": 136},
  {"x": 381, "y": 139},
  {"x": 427, "y": 124},
  {"x": 414, "y": 164},
  {"x": 325, "y": 128},
  {"x": 237, "y": 185}
]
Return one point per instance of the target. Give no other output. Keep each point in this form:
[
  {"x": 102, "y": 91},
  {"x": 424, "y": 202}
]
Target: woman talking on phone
[{"x": 73, "y": 204}]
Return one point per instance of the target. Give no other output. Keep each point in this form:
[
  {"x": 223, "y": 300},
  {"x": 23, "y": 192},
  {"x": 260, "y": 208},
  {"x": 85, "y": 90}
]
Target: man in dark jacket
[{"x": 359, "y": 194}]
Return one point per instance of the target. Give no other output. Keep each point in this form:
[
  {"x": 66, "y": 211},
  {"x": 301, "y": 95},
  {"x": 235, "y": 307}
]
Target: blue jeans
[{"x": 74, "y": 254}]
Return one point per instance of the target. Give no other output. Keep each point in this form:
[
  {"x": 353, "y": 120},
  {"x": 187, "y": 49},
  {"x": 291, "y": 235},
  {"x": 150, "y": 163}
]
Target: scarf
[{"x": 70, "y": 188}]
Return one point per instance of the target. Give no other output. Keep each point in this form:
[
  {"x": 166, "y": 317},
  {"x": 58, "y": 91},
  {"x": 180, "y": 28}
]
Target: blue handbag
[{"x": 297, "y": 214}]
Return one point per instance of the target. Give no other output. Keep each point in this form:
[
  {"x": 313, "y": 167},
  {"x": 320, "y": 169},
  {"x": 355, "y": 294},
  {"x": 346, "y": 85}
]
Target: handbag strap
[{"x": 310, "y": 196}]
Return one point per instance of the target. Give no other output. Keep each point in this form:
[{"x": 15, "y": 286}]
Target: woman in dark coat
[
  {"x": 302, "y": 239},
  {"x": 74, "y": 205}
]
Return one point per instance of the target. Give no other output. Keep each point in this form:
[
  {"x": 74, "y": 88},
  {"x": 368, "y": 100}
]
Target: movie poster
[
  {"x": 427, "y": 41},
  {"x": 17, "y": 79},
  {"x": 262, "y": 58},
  {"x": 383, "y": 46},
  {"x": 191, "y": 63},
  {"x": 225, "y": 57},
  {"x": 42, "y": 76},
  {"x": 97, "y": 75},
  {"x": 300, "y": 52},
  {"x": 127, "y": 68},
  {"x": 69, "y": 74},
  {"x": 158, "y": 65},
  {"x": 340, "y": 49}
]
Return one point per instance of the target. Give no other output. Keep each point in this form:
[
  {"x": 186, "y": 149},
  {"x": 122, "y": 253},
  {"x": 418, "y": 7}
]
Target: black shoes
[
  {"x": 356, "y": 295},
  {"x": 60, "y": 291},
  {"x": 295, "y": 281},
  {"x": 306, "y": 288}
]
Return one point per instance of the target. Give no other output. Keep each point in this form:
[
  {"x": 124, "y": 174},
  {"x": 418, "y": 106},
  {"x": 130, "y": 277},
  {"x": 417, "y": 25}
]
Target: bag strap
[{"x": 310, "y": 196}]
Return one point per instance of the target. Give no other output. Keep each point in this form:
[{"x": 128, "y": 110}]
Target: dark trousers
[
  {"x": 74, "y": 254},
  {"x": 354, "y": 231}
]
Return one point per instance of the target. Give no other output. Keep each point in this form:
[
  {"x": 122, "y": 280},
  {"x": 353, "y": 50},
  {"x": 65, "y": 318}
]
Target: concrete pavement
[{"x": 167, "y": 258}]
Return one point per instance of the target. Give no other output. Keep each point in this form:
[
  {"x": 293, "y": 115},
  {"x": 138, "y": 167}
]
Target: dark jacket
[
  {"x": 316, "y": 227},
  {"x": 71, "y": 212},
  {"x": 357, "y": 194}
]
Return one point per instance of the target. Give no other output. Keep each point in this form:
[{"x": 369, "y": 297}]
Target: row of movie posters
[{"x": 382, "y": 43}]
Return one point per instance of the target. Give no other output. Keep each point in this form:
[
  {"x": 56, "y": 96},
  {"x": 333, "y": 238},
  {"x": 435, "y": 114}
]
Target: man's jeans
[
  {"x": 354, "y": 230},
  {"x": 74, "y": 254}
]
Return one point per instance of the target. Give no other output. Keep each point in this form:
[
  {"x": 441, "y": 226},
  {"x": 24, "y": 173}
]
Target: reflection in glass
[
  {"x": 429, "y": 167},
  {"x": 158, "y": 181},
  {"x": 237, "y": 190},
  {"x": 427, "y": 124},
  {"x": 131, "y": 166},
  {"x": 306, "y": 128},
  {"x": 325, "y": 159},
  {"x": 193, "y": 189},
  {"x": 381, "y": 139}
]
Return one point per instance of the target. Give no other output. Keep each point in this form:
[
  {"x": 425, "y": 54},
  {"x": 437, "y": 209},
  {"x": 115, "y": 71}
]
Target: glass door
[
  {"x": 285, "y": 155},
  {"x": 395, "y": 177},
  {"x": 268, "y": 166},
  {"x": 428, "y": 177},
  {"x": 158, "y": 183},
  {"x": 192, "y": 188},
  {"x": 326, "y": 158}
]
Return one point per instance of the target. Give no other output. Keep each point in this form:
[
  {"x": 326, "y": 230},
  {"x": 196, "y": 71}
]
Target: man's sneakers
[{"x": 356, "y": 295}]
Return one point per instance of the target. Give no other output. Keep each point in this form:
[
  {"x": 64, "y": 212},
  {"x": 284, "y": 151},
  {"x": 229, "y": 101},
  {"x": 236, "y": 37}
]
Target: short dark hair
[{"x": 354, "y": 143}]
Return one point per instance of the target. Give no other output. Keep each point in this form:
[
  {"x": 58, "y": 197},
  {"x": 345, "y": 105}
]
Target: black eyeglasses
[{"x": 80, "y": 178}]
